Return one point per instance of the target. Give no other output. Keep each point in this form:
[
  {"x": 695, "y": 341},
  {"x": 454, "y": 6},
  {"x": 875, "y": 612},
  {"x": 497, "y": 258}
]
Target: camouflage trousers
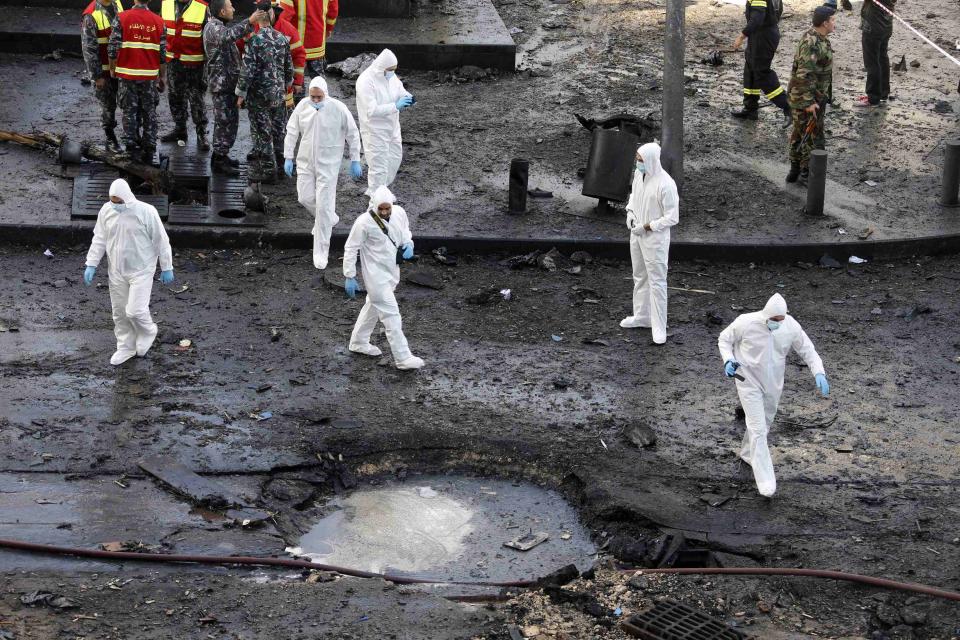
[
  {"x": 138, "y": 102},
  {"x": 185, "y": 89},
  {"x": 801, "y": 142},
  {"x": 268, "y": 125},
  {"x": 107, "y": 97},
  {"x": 226, "y": 118}
]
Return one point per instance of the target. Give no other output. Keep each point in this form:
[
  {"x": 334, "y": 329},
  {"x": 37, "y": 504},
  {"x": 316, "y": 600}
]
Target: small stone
[
  {"x": 876, "y": 311},
  {"x": 638, "y": 582},
  {"x": 915, "y": 64},
  {"x": 531, "y": 631}
]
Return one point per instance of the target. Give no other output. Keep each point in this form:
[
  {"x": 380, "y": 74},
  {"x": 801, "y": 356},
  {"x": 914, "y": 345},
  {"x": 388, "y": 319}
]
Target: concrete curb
[{"x": 227, "y": 238}]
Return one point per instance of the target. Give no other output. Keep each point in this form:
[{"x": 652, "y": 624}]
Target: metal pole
[
  {"x": 951, "y": 174},
  {"x": 519, "y": 174},
  {"x": 673, "y": 80},
  {"x": 817, "y": 182}
]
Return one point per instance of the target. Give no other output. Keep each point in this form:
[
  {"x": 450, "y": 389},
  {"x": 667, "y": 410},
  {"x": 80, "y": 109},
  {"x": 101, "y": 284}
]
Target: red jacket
[
  {"x": 185, "y": 35},
  {"x": 297, "y": 52},
  {"x": 314, "y": 20},
  {"x": 139, "y": 57}
]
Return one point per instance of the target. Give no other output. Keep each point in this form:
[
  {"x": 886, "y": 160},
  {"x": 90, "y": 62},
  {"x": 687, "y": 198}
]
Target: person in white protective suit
[
  {"x": 380, "y": 99},
  {"x": 653, "y": 208},
  {"x": 132, "y": 236},
  {"x": 382, "y": 238},
  {"x": 323, "y": 125},
  {"x": 755, "y": 347}
]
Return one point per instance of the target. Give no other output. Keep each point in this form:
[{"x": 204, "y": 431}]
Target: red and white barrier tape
[{"x": 917, "y": 33}]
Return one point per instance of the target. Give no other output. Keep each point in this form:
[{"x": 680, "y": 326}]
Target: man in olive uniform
[
  {"x": 810, "y": 89},
  {"x": 876, "y": 26},
  {"x": 95, "y": 29},
  {"x": 223, "y": 70},
  {"x": 266, "y": 73}
]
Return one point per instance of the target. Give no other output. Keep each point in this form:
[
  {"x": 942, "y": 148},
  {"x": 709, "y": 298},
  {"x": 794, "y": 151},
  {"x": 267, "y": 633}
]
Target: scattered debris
[
  {"x": 275, "y": 334},
  {"x": 909, "y": 313},
  {"x": 260, "y": 416},
  {"x": 426, "y": 492},
  {"x": 527, "y": 541},
  {"x": 423, "y": 279},
  {"x": 640, "y": 435},
  {"x": 902, "y": 65},
  {"x": 441, "y": 255},
  {"x": 539, "y": 193},
  {"x": 176, "y": 290},
  {"x": 856, "y": 260},
  {"x": 714, "y": 58},
  {"x": 48, "y": 253},
  {"x": 486, "y": 296},
  {"x": 581, "y": 257},
  {"x": 49, "y": 599},
  {"x": 351, "y": 68},
  {"x": 829, "y": 262},
  {"x": 506, "y": 294}
]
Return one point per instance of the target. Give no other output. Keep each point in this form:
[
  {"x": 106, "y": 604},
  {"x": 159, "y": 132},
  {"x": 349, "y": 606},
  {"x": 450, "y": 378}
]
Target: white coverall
[
  {"x": 324, "y": 134},
  {"x": 381, "y": 274},
  {"x": 380, "y": 121},
  {"x": 654, "y": 201},
  {"x": 762, "y": 354},
  {"x": 133, "y": 240}
]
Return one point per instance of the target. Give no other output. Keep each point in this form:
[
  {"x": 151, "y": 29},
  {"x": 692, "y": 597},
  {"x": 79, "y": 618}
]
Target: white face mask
[
  {"x": 773, "y": 325},
  {"x": 317, "y": 105},
  {"x": 389, "y": 74},
  {"x": 641, "y": 168},
  {"x": 118, "y": 206}
]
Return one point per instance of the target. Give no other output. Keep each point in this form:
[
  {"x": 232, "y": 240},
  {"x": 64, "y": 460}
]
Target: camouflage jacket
[
  {"x": 89, "y": 44},
  {"x": 267, "y": 68},
  {"x": 223, "y": 57},
  {"x": 812, "y": 76}
]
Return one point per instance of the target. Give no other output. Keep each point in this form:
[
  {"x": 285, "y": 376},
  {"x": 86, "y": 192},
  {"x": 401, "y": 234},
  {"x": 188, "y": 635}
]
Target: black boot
[
  {"x": 112, "y": 143},
  {"x": 281, "y": 174},
  {"x": 178, "y": 133},
  {"x": 804, "y": 176},
  {"x": 745, "y": 114},
  {"x": 262, "y": 170},
  {"x": 202, "y": 144},
  {"x": 787, "y": 118},
  {"x": 147, "y": 156},
  {"x": 219, "y": 166},
  {"x": 794, "y": 172}
]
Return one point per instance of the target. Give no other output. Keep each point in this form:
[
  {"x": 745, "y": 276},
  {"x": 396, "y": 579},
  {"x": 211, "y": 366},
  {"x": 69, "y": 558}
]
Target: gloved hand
[
  {"x": 288, "y": 166},
  {"x": 631, "y": 221},
  {"x": 637, "y": 229},
  {"x": 408, "y": 251},
  {"x": 351, "y": 286},
  {"x": 166, "y": 277},
  {"x": 404, "y": 102},
  {"x": 356, "y": 169},
  {"x": 822, "y": 385},
  {"x": 88, "y": 274},
  {"x": 730, "y": 367}
]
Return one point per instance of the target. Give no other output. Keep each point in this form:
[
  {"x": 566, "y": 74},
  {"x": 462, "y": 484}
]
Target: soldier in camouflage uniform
[
  {"x": 96, "y": 61},
  {"x": 266, "y": 73},
  {"x": 223, "y": 69},
  {"x": 810, "y": 89},
  {"x": 138, "y": 99}
]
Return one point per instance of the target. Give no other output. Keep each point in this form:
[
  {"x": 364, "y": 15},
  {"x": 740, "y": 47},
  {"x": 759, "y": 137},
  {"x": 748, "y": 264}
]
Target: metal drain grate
[
  {"x": 91, "y": 189},
  {"x": 220, "y": 214},
  {"x": 190, "y": 167},
  {"x": 669, "y": 620}
]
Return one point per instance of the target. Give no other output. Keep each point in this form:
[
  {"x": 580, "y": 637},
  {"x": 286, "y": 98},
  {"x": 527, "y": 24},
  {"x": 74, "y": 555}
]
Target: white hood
[
  {"x": 650, "y": 153},
  {"x": 122, "y": 190},
  {"x": 382, "y": 195},
  {"x": 319, "y": 83},
  {"x": 384, "y": 61},
  {"x": 776, "y": 306}
]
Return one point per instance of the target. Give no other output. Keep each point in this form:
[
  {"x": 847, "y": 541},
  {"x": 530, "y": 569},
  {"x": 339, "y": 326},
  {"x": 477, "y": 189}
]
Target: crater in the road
[{"x": 449, "y": 527}]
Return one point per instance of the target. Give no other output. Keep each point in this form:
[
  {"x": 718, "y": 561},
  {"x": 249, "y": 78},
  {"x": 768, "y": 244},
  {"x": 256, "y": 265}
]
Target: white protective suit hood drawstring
[
  {"x": 384, "y": 61},
  {"x": 319, "y": 83},
  {"x": 776, "y": 306},
  {"x": 121, "y": 189},
  {"x": 650, "y": 154}
]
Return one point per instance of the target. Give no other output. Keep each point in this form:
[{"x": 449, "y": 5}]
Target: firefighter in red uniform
[
  {"x": 95, "y": 26},
  {"x": 184, "y": 20},
  {"x": 314, "y": 21},
  {"x": 136, "y": 49}
]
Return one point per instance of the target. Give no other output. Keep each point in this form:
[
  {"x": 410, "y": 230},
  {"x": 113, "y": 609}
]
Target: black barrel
[
  {"x": 610, "y": 166},
  {"x": 519, "y": 174}
]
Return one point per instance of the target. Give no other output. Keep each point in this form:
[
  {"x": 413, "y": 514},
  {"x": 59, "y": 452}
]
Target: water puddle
[{"x": 451, "y": 528}]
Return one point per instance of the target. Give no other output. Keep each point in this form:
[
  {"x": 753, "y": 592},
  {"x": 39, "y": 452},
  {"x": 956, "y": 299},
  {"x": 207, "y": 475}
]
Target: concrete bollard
[
  {"x": 519, "y": 174},
  {"x": 817, "y": 182},
  {"x": 951, "y": 174}
]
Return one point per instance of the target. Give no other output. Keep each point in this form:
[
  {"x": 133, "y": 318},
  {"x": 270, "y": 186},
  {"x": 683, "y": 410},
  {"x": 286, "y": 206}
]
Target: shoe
[
  {"x": 174, "y": 136},
  {"x": 219, "y": 166},
  {"x": 864, "y": 103},
  {"x": 745, "y": 114},
  {"x": 631, "y": 322},
  {"x": 366, "y": 349},
  {"x": 658, "y": 340},
  {"x": 144, "y": 343},
  {"x": 202, "y": 143},
  {"x": 147, "y": 156},
  {"x": 413, "y": 362},
  {"x": 112, "y": 143},
  {"x": 787, "y": 118},
  {"x": 804, "y": 176},
  {"x": 121, "y": 356},
  {"x": 794, "y": 172}
]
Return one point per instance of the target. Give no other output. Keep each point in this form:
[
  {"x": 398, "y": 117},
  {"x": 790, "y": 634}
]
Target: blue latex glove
[
  {"x": 730, "y": 367},
  {"x": 88, "y": 274},
  {"x": 351, "y": 286},
  {"x": 356, "y": 169},
  {"x": 404, "y": 102},
  {"x": 822, "y": 385},
  {"x": 288, "y": 166},
  {"x": 166, "y": 277},
  {"x": 407, "y": 251}
]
